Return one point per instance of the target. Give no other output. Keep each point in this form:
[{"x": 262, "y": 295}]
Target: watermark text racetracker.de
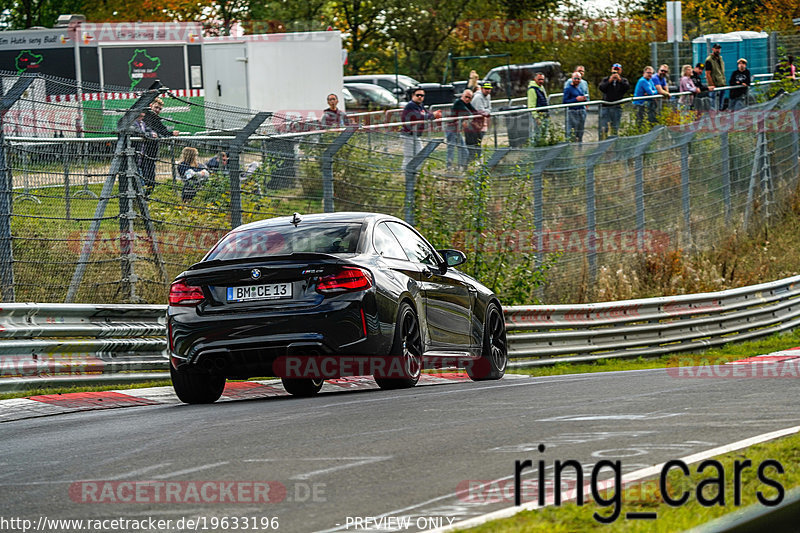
[{"x": 118, "y": 524}]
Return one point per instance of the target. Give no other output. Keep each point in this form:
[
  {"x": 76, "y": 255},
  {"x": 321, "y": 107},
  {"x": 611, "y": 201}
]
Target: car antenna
[{"x": 296, "y": 219}]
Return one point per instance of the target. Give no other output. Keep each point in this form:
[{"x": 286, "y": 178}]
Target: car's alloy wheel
[
  {"x": 408, "y": 348},
  {"x": 494, "y": 358},
  {"x": 302, "y": 387},
  {"x": 196, "y": 387}
]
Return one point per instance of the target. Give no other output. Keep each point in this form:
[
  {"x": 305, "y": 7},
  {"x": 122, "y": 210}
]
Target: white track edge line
[{"x": 626, "y": 479}]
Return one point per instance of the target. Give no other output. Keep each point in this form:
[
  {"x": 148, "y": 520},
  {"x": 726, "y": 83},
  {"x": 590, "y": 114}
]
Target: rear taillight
[
  {"x": 182, "y": 294},
  {"x": 346, "y": 280}
]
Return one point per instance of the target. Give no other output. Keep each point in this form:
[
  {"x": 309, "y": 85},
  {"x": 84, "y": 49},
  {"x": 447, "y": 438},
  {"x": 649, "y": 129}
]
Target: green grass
[
  {"x": 646, "y": 497},
  {"x": 723, "y": 354}
]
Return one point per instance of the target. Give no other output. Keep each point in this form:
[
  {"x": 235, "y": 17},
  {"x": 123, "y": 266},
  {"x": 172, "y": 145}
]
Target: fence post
[
  {"x": 638, "y": 165},
  {"x": 123, "y": 126},
  {"x": 6, "y": 193},
  {"x": 412, "y": 169},
  {"x": 725, "y": 156},
  {"x": 234, "y": 164},
  {"x": 756, "y": 169},
  {"x": 540, "y": 164},
  {"x": 326, "y": 164},
  {"x": 685, "y": 193},
  {"x": 591, "y": 216},
  {"x": 65, "y": 153},
  {"x": 127, "y": 215}
]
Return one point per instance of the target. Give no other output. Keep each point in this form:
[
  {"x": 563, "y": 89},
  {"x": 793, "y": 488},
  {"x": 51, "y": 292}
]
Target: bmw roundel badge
[{"x": 255, "y": 273}]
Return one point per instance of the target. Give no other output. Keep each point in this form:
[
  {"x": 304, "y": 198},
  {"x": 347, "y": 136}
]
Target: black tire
[
  {"x": 302, "y": 387},
  {"x": 494, "y": 357},
  {"x": 407, "y": 346},
  {"x": 196, "y": 387}
]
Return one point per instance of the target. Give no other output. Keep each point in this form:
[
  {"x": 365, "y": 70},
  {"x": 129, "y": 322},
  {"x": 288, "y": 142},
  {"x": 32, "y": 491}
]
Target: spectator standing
[
  {"x": 687, "y": 85},
  {"x": 741, "y": 79},
  {"x": 191, "y": 172},
  {"x": 645, "y": 87},
  {"x": 537, "y": 97},
  {"x": 414, "y": 118},
  {"x": 482, "y": 102},
  {"x": 332, "y": 116},
  {"x": 454, "y": 134},
  {"x": 614, "y": 89},
  {"x": 580, "y": 69},
  {"x": 715, "y": 75},
  {"x": 149, "y": 155},
  {"x": 218, "y": 163},
  {"x": 576, "y": 115},
  {"x": 701, "y": 99},
  {"x": 471, "y": 126}
]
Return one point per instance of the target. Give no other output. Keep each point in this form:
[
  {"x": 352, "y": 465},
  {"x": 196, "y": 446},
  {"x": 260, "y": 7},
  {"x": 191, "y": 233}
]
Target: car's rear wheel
[
  {"x": 406, "y": 349},
  {"x": 196, "y": 387},
  {"x": 494, "y": 357},
  {"x": 302, "y": 387}
]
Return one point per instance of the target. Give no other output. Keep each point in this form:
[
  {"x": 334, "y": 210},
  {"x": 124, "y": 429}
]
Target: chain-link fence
[{"x": 115, "y": 216}]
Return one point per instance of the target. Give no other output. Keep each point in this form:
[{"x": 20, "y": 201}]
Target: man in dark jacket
[
  {"x": 149, "y": 148},
  {"x": 701, "y": 101},
  {"x": 740, "y": 78},
  {"x": 614, "y": 89},
  {"x": 470, "y": 125},
  {"x": 414, "y": 117}
]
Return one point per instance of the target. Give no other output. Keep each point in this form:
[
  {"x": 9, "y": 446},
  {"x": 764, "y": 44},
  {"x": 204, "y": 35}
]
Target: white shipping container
[{"x": 285, "y": 73}]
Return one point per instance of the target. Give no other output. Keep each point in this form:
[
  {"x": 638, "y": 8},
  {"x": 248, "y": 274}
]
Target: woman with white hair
[{"x": 687, "y": 85}]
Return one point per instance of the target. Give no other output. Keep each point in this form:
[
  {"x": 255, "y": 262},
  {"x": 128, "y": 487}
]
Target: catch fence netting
[{"x": 95, "y": 214}]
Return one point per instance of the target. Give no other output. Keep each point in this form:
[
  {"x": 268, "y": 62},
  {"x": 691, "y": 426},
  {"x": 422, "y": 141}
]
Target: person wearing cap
[
  {"x": 576, "y": 115},
  {"x": 482, "y": 102},
  {"x": 701, "y": 101},
  {"x": 741, "y": 79},
  {"x": 614, "y": 88},
  {"x": 715, "y": 75}
]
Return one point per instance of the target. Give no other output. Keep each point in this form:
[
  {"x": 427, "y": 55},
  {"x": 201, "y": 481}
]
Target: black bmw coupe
[{"x": 313, "y": 297}]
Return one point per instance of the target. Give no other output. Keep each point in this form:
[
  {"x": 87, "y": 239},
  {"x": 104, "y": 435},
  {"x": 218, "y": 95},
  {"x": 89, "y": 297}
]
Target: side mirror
[{"x": 453, "y": 258}]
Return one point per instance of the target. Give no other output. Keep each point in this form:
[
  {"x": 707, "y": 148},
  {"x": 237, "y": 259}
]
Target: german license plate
[{"x": 271, "y": 291}]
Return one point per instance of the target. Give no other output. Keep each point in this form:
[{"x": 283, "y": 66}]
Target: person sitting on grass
[{"x": 192, "y": 173}]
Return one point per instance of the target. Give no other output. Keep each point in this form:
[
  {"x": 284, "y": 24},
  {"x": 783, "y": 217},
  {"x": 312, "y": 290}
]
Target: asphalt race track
[{"x": 321, "y": 463}]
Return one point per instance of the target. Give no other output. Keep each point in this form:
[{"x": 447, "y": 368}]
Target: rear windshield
[{"x": 328, "y": 238}]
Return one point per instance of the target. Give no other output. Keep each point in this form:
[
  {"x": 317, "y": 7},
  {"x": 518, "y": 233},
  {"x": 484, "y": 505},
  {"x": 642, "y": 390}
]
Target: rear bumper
[{"x": 246, "y": 345}]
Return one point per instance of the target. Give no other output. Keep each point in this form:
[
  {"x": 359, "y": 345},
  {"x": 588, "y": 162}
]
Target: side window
[
  {"x": 386, "y": 84},
  {"x": 416, "y": 249},
  {"x": 386, "y": 244}
]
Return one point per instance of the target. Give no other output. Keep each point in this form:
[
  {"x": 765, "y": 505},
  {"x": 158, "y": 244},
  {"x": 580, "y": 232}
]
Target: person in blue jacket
[
  {"x": 576, "y": 115},
  {"x": 645, "y": 87}
]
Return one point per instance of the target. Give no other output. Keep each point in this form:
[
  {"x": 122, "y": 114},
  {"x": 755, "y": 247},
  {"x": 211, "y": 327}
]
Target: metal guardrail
[
  {"x": 86, "y": 339},
  {"x": 66, "y": 343},
  {"x": 650, "y": 327}
]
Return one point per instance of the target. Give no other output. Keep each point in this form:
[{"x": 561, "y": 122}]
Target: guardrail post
[
  {"x": 412, "y": 169},
  {"x": 725, "y": 157},
  {"x": 6, "y": 193},
  {"x": 326, "y": 164},
  {"x": 591, "y": 216},
  {"x": 233, "y": 163}
]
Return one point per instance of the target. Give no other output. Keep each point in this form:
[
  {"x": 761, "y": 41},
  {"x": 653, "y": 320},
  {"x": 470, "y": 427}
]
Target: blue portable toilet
[
  {"x": 755, "y": 49},
  {"x": 731, "y": 49}
]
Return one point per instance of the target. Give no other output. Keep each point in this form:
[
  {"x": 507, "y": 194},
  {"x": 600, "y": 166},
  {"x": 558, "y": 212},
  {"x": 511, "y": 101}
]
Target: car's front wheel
[
  {"x": 302, "y": 387},
  {"x": 494, "y": 356},
  {"x": 406, "y": 356},
  {"x": 196, "y": 387}
]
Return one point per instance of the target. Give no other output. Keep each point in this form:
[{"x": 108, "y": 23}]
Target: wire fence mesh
[{"x": 118, "y": 202}]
